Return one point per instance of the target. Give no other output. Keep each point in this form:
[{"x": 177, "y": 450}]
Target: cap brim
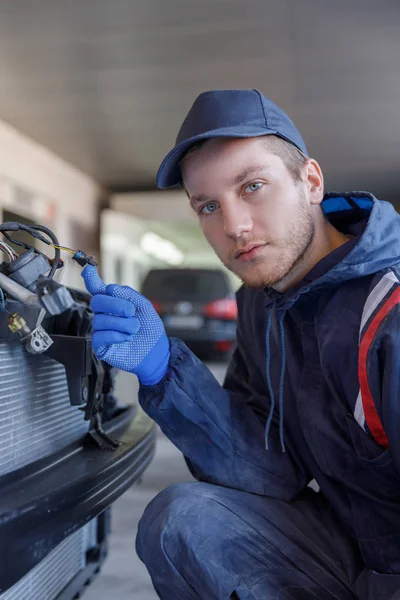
[{"x": 169, "y": 173}]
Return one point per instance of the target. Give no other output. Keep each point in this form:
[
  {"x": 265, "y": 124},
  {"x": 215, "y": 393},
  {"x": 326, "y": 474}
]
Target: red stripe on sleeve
[{"x": 371, "y": 414}]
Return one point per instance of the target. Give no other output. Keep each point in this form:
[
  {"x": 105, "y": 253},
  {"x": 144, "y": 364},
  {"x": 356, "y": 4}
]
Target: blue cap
[{"x": 230, "y": 114}]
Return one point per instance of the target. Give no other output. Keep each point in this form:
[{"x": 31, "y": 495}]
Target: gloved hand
[{"x": 127, "y": 331}]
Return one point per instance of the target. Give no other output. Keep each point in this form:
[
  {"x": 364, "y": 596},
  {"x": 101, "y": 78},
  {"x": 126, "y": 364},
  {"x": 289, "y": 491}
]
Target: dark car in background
[{"x": 196, "y": 305}]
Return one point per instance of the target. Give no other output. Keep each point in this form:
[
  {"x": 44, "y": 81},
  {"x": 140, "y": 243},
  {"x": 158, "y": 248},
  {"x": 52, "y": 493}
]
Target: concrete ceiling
[{"x": 106, "y": 84}]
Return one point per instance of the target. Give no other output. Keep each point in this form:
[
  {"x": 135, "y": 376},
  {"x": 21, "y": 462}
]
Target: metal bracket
[
  {"x": 37, "y": 341},
  {"x": 85, "y": 377},
  {"x": 94, "y": 408},
  {"x": 75, "y": 353}
]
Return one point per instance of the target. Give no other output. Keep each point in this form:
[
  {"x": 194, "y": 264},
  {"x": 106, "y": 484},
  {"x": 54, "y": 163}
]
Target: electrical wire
[
  {"x": 35, "y": 231},
  {"x": 70, "y": 250},
  {"x": 7, "y": 254},
  {"x": 24, "y": 245},
  {"x": 8, "y": 251}
]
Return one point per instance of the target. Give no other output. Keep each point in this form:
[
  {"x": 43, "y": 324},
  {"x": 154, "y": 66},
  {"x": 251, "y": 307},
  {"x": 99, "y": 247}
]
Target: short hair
[{"x": 293, "y": 157}]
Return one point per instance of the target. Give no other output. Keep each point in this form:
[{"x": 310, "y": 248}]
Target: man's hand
[{"x": 127, "y": 332}]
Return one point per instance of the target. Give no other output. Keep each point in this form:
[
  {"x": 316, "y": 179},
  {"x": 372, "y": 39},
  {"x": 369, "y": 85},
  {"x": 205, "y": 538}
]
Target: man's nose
[{"x": 236, "y": 221}]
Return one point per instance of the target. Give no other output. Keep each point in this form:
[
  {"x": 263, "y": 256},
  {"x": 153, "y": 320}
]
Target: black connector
[
  {"x": 53, "y": 296},
  {"x": 27, "y": 269},
  {"x": 83, "y": 259}
]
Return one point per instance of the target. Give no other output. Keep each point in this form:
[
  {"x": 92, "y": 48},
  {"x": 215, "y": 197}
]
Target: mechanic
[{"x": 312, "y": 392}]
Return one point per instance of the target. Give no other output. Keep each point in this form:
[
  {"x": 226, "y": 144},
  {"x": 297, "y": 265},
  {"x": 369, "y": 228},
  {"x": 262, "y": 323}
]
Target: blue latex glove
[{"x": 127, "y": 331}]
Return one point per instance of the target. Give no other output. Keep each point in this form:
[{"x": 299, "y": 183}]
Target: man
[{"x": 312, "y": 391}]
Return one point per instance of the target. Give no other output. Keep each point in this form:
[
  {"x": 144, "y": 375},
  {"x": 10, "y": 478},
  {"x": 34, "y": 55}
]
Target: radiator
[
  {"x": 36, "y": 418},
  {"x": 53, "y": 574}
]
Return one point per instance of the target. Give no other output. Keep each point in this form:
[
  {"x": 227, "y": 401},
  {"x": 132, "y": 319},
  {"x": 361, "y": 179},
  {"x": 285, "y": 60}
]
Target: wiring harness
[
  {"x": 30, "y": 279},
  {"x": 37, "y": 232}
]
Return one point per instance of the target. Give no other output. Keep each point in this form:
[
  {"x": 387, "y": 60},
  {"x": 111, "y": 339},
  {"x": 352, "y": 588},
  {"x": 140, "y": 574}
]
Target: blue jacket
[{"x": 315, "y": 378}]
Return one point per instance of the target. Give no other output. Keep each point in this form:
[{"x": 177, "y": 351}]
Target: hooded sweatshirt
[{"x": 313, "y": 388}]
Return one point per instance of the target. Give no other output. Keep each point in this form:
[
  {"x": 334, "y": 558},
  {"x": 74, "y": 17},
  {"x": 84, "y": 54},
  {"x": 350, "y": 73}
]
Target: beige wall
[
  {"x": 39, "y": 185},
  {"x": 160, "y": 205},
  {"x": 167, "y": 209}
]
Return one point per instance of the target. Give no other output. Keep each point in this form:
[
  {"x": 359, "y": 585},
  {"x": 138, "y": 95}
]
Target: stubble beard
[{"x": 298, "y": 240}]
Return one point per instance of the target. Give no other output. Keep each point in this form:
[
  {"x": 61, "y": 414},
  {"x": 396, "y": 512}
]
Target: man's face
[{"x": 255, "y": 216}]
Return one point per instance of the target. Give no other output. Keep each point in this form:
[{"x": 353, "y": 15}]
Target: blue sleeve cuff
[{"x": 155, "y": 366}]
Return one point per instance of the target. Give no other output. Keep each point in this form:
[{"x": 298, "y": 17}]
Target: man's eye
[
  {"x": 253, "y": 187},
  {"x": 208, "y": 208}
]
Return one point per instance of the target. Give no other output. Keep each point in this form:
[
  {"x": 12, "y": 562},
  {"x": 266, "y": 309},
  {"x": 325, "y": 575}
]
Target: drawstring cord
[
  {"x": 268, "y": 375},
  {"x": 281, "y": 379}
]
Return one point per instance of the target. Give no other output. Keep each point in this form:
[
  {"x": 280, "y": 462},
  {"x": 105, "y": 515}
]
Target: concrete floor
[{"x": 123, "y": 575}]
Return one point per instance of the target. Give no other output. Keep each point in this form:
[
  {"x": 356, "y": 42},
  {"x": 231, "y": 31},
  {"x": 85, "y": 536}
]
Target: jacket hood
[
  {"x": 375, "y": 223},
  {"x": 378, "y": 225}
]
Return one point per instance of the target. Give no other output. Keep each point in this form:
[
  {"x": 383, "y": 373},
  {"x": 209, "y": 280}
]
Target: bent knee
[
  {"x": 173, "y": 500},
  {"x": 174, "y": 511}
]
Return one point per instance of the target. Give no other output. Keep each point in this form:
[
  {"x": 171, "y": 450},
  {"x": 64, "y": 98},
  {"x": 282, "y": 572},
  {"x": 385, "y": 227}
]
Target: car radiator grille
[
  {"x": 36, "y": 418},
  {"x": 53, "y": 574}
]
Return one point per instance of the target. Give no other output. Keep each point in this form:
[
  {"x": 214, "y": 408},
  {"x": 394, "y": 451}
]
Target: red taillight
[
  {"x": 223, "y": 346},
  {"x": 157, "y": 305},
  {"x": 225, "y": 308}
]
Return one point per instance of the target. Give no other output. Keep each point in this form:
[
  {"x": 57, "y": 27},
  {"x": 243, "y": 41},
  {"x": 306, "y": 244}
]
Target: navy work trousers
[{"x": 200, "y": 540}]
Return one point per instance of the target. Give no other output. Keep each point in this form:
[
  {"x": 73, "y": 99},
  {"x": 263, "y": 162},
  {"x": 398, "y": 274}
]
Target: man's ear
[{"x": 314, "y": 179}]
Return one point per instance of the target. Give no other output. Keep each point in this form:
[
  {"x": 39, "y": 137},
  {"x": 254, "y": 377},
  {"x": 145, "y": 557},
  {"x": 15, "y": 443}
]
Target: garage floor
[{"x": 123, "y": 575}]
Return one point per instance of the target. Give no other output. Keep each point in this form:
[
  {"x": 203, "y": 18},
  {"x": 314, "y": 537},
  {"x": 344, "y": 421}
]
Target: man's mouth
[{"x": 248, "y": 252}]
